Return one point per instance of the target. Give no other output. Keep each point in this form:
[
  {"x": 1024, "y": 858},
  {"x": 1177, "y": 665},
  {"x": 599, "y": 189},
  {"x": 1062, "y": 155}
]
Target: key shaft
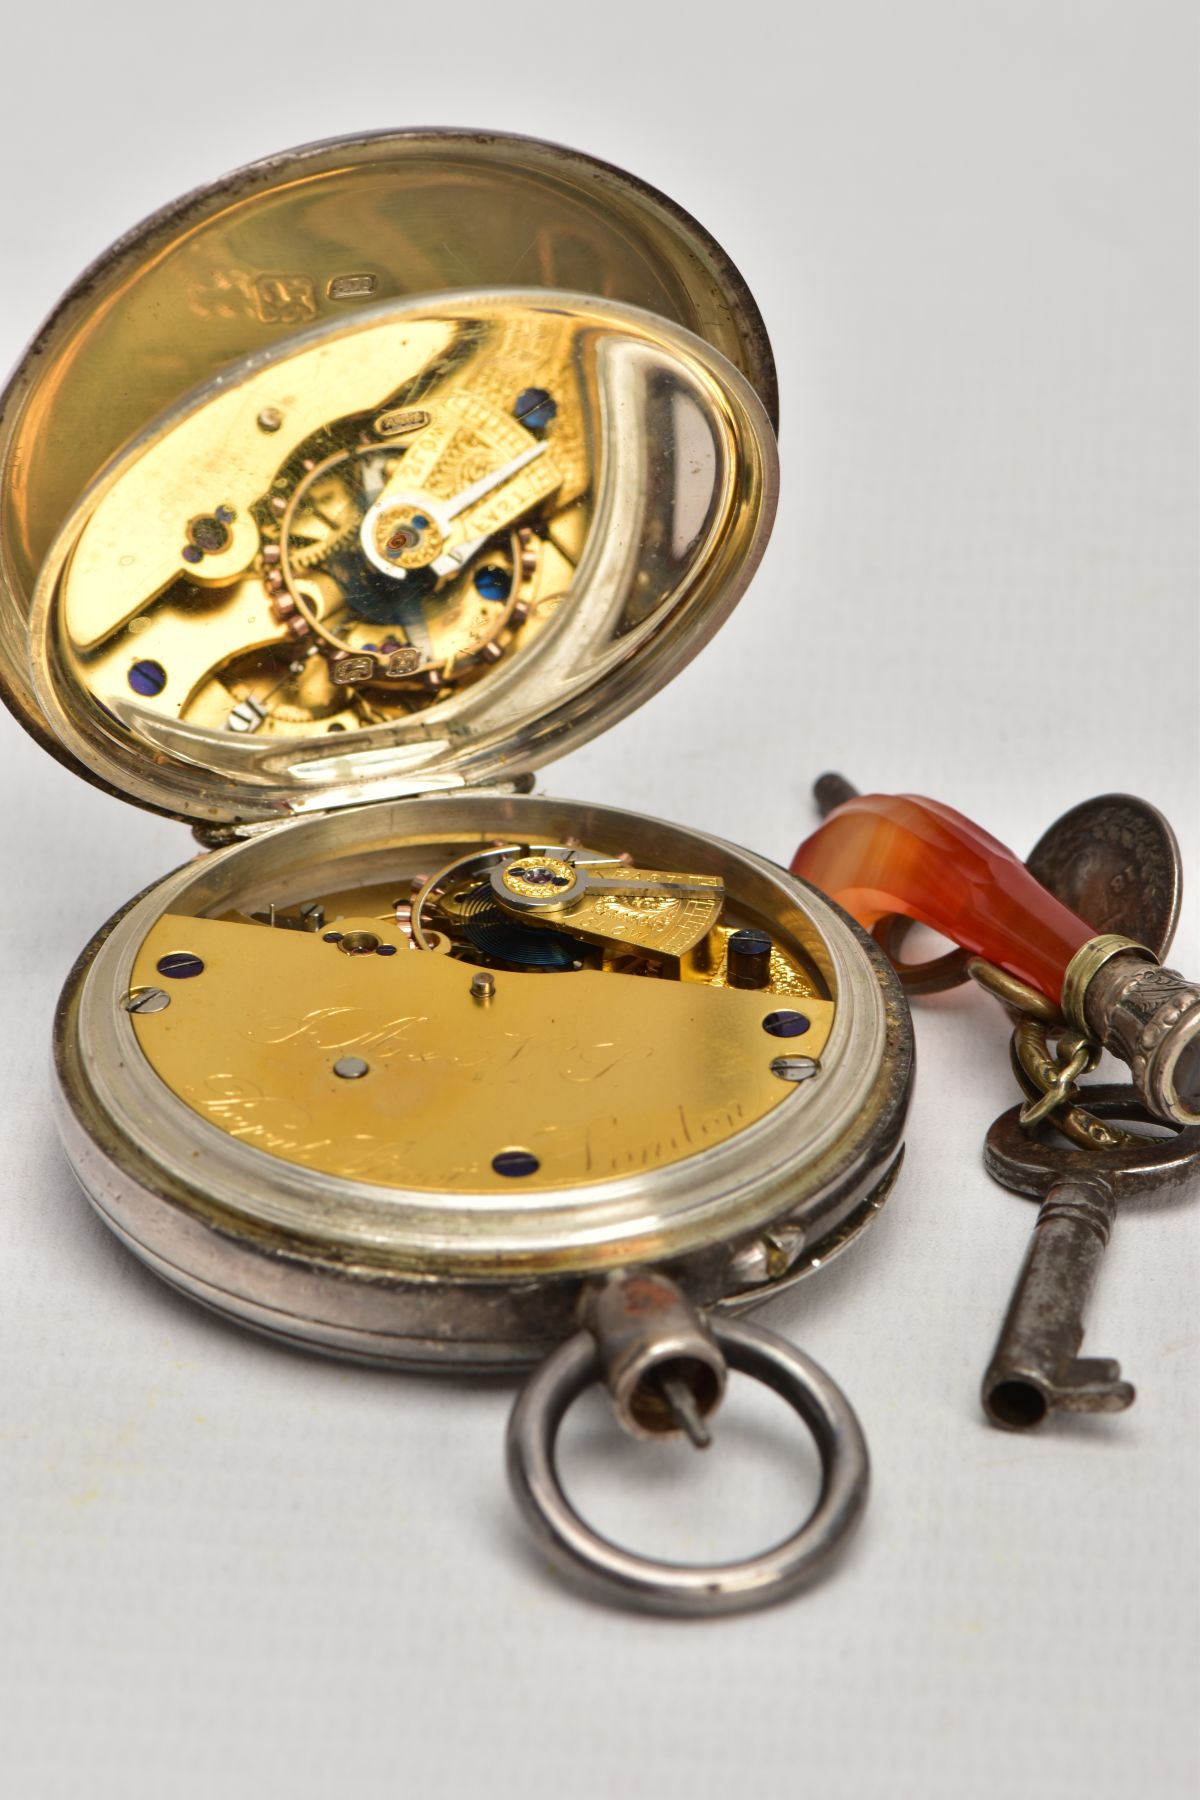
[{"x": 1035, "y": 1368}]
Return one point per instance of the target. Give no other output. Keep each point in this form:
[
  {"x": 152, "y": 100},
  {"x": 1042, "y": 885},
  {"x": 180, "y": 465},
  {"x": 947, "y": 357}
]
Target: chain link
[
  {"x": 1074, "y": 1056},
  {"x": 1049, "y": 1079}
]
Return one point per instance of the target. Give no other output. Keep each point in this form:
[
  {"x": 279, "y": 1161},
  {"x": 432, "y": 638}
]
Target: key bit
[{"x": 1035, "y": 1368}]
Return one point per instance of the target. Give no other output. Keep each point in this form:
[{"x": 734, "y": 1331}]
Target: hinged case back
[{"x": 169, "y": 624}]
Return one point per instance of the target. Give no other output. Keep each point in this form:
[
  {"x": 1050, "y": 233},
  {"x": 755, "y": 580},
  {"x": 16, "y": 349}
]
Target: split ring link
[
  {"x": 1049, "y": 1078},
  {"x": 1075, "y": 1056}
]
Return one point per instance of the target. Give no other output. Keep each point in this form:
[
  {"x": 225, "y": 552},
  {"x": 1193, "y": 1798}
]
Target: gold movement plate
[
  {"x": 309, "y": 554},
  {"x": 419, "y": 548},
  {"x": 506, "y": 1056}
]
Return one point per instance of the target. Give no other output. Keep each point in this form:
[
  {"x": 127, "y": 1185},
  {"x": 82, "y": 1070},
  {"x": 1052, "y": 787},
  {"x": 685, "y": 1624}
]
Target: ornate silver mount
[{"x": 1149, "y": 1017}]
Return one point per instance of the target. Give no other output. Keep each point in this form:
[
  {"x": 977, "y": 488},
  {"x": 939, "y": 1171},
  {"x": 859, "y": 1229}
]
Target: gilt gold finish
[
  {"x": 338, "y": 562},
  {"x": 710, "y": 963},
  {"x": 598, "y": 1075},
  {"x": 653, "y": 911},
  {"x": 510, "y": 1101},
  {"x": 540, "y": 878},
  {"x": 308, "y": 241},
  {"x": 371, "y": 595}
]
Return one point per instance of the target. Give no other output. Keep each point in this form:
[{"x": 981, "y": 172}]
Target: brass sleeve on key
[{"x": 1087, "y": 961}]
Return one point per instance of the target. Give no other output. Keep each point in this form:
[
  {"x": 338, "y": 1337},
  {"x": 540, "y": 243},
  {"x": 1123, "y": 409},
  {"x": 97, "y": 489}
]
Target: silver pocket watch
[{"x": 321, "y": 535}]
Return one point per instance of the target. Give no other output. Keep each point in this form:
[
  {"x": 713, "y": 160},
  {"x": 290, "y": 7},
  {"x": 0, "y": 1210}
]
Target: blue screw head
[
  {"x": 492, "y": 582},
  {"x": 786, "y": 1024},
  {"x": 515, "y": 1163},
  {"x": 535, "y": 408},
  {"x": 147, "y": 677},
  {"x": 180, "y": 965}
]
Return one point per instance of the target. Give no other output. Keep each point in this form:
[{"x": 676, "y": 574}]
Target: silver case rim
[{"x": 372, "y": 1273}]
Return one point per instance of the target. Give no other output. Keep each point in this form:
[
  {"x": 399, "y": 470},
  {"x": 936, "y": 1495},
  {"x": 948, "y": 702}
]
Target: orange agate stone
[{"x": 880, "y": 854}]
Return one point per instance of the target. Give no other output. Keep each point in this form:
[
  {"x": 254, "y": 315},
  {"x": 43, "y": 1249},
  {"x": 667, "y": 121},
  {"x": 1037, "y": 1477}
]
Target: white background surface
[{"x": 232, "y": 1570}]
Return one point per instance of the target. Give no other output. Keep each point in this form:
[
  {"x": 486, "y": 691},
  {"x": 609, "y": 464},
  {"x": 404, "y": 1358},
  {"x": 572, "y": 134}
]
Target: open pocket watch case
[{"x": 321, "y": 535}]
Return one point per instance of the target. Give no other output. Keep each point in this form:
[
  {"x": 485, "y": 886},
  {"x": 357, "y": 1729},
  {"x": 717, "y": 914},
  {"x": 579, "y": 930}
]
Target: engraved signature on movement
[{"x": 392, "y": 1144}]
